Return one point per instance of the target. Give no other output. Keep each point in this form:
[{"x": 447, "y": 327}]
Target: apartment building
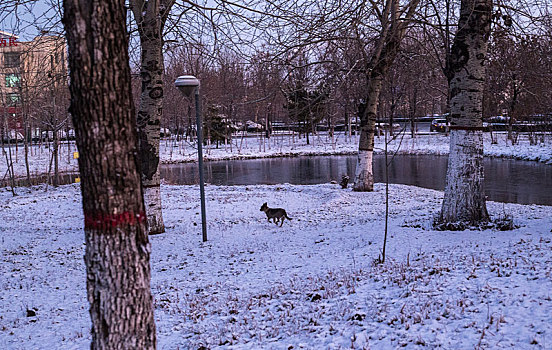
[{"x": 29, "y": 72}]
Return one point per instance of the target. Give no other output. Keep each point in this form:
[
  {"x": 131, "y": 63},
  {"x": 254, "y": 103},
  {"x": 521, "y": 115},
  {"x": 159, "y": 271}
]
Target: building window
[
  {"x": 12, "y": 99},
  {"x": 12, "y": 59},
  {"x": 13, "y": 80}
]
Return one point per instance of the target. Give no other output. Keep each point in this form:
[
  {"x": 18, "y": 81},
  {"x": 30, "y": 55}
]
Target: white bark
[
  {"x": 150, "y": 17},
  {"x": 154, "y": 210},
  {"x": 394, "y": 25},
  {"x": 364, "y": 175},
  {"x": 465, "y": 199},
  {"x": 117, "y": 254}
]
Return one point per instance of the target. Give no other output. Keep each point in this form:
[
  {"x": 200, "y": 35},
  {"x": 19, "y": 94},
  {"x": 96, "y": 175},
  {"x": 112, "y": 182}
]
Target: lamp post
[{"x": 188, "y": 84}]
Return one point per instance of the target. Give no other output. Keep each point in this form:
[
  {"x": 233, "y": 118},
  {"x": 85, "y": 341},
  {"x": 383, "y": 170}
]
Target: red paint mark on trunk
[{"x": 102, "y": 221}]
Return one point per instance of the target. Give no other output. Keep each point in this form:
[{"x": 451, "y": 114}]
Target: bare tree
[
  {"x": 306, "y": 95},
  {"x": 518, "y": 77},
  {"x": 150, "y": 17},
  {"x": 394, "y": 21},
  {"x": 265, "y": 80},
  {"x": 464, "y": 199},
  {"x": 117, "y": 247}
]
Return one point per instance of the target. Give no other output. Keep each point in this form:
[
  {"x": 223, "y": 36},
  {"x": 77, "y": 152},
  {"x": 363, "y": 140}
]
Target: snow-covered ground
[
  {"x": 311, "y": 284},
  {"x": 172, "y": 151}
]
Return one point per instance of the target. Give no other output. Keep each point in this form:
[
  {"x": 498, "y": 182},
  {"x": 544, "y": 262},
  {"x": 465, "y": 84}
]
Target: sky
[{"x": 27, "y": 20}]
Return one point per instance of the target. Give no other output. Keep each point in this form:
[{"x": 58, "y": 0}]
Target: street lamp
[{"x": 187, "y": 84}]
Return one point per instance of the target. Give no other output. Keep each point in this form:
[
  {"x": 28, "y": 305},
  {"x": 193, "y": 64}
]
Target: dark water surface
[{"x": 506, "y": 180}]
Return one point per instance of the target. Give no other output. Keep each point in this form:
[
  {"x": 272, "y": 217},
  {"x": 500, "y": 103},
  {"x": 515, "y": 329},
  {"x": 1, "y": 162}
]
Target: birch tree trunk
[
  {"x": 150, "y": 17},
  {"x": 364, "y": 175},
  {"x": 393, "y": 28},
  {"x": 117, "y": 248},
  {"x": 464, "y": 199}
]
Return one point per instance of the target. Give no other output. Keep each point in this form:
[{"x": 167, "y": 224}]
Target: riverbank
[
  {"x": 341, "y": 144},
  {"x": 173, "y": 151},
  {"x": 310, "y": 284}
]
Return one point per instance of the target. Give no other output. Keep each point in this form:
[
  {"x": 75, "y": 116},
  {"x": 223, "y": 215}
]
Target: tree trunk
[
  {"x": 364, "y": 175},
  {"x": 387, "y": 48},
  {"x": 392, "y": 108},
  {"x": 150, "y": 17},
  {"x": 55, "y": 146},
  {"x": 464, "y": 199},
  {"x": 117, "y": 247},
  {"x": 149, "y": 124},
  {"x": 512, "y": 107},
  {"x": 412, "y": 108},
  {"x": 28, "y": 136}
]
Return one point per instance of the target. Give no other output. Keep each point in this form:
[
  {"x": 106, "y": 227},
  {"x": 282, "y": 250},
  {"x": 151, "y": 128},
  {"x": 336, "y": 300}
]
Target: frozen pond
[{"x": 506, "y": 180}]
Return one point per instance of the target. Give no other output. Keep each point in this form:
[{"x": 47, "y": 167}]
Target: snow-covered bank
[
  {"x": 322, "y": 144},
  {"x": 310, "y": 284},
  {"x": 172, "y": 151}
]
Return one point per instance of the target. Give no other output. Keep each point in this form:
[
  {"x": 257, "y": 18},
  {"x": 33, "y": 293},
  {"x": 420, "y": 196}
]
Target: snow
[
  {"x": 172, "y": 151},
  {"x": 310, "y": 284}
]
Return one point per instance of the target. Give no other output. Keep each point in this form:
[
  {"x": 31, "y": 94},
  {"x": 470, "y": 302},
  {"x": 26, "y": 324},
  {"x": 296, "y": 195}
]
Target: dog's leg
[{"x": 282, "y": 218}]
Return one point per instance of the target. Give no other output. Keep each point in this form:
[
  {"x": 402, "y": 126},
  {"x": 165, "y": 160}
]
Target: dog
[{"x": 276, "y": 214}]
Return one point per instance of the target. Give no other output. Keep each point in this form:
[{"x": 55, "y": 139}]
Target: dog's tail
[{"x": 287, "y": 217}]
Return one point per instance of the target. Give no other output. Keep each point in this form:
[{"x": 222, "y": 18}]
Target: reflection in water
[
  {"x": 63, "y": 179},
  {"x": 505, "y": 180}
]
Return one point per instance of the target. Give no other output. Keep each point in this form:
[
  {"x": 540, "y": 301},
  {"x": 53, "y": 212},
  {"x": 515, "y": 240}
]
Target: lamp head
[{"x": 186, "y": 84}]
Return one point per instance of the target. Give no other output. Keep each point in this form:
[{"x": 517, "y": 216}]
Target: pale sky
[{"x": 28, "y": 20}]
